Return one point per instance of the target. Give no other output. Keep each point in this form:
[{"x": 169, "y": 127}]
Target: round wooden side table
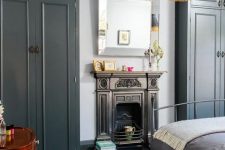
[{"x": 23, "y": 139}]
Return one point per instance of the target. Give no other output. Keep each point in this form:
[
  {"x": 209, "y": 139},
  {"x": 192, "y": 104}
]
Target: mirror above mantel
[{"x": 127, "y": 27}]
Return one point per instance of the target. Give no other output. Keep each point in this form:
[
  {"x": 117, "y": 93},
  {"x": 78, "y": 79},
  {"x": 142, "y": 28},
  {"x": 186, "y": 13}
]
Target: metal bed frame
[{"x": 154, "y": 111}]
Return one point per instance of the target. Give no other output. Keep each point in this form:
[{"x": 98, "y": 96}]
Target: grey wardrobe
[
  {"x": 208, "y": 3},
  {"x": 39, "y": 67},
  {"x": 200, "y": 45}
]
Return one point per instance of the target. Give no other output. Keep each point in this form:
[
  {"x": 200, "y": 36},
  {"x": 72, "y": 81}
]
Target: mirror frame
[{"x": 108, "y": 51}]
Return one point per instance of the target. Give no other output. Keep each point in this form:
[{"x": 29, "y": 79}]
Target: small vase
[
  {"x": 154, "y": 67},
  {"x": 154, "y": 64},
  {"x": 158, "y": 67}
]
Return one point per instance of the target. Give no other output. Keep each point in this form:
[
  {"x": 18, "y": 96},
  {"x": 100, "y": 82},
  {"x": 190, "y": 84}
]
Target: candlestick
[{"x": 148, "y": 53}]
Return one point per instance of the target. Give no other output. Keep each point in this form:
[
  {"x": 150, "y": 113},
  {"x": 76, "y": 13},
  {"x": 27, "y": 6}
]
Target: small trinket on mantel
[
  {"x": 130, "y": 69},
  {"x": 124, "y": 68}
]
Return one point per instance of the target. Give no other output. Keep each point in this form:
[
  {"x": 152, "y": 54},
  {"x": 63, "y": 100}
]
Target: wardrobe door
[
  {"x": 56, "y": 75},
  {"x": 208, "y": 3},
  {"x": 205, "y": 61},
  {"x": 17, "y": 63}
]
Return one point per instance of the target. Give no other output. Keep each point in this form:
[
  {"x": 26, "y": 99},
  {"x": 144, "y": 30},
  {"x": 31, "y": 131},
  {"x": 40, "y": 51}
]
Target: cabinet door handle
[
  {"x": 223, "y": 54},
  {"x": 218, "y": 53},
  {"x": 32, "y": 49},
  {"x": 37, "y": 49},
  {"x": 219, "y": 3}
]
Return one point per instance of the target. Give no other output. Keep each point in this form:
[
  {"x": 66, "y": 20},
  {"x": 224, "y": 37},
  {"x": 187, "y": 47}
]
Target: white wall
[
  {"x": 167, "y": 40},
  {"x": 88, "y": 51},
  {"x": 134, "y": 16}
]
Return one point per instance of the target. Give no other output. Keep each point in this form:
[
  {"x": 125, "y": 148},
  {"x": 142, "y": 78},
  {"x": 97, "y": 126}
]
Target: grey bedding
[{"x": 215, "y": 141}]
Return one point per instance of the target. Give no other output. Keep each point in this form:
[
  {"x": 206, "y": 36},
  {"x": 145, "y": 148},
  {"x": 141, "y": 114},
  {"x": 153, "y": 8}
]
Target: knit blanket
[{"x": 178, "y": 134}]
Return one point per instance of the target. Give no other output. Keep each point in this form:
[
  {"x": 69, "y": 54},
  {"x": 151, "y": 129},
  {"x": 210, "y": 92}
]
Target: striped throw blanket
[{"x": 178, "y": 134}]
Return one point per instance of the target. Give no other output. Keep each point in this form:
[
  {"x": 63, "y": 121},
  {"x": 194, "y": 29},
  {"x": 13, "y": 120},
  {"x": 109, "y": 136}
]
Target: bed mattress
[{"x": 214, "y": 141}]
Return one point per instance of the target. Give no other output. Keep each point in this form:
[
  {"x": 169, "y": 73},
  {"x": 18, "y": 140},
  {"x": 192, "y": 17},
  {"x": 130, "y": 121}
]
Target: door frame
[{"x": 77, "y": 75}]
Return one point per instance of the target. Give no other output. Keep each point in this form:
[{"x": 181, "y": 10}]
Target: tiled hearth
[{"x": 124, "y": 99}]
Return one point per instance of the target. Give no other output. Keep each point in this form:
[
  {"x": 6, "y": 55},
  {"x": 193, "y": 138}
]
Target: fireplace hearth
[{"x": 124, "y": 106}]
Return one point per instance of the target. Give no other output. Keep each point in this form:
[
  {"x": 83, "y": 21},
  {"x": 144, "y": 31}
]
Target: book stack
[{"x": 105, "y": 145}]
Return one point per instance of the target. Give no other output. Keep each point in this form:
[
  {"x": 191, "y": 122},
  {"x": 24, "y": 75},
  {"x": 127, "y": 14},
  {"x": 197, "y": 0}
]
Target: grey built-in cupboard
[
  {"x": 200, "y": 46},
  {"x": 38, "y": 69}
]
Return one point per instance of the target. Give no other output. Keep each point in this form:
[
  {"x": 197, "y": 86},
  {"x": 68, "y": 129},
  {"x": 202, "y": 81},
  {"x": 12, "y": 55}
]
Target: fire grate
[{"x": 122, "y": 138}]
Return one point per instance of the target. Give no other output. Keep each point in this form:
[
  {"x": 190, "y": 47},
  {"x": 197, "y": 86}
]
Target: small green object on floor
[{"x": 105, "y": 145}]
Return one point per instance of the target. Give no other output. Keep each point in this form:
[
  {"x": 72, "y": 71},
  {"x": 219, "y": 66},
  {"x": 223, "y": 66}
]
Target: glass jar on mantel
[
  {"x": 155, "y": 64},
  {"x": 152, "y": 65}
]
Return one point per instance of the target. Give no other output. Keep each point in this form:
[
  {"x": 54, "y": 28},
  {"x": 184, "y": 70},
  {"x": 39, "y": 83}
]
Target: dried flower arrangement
[{"x": 157, "y": 52}]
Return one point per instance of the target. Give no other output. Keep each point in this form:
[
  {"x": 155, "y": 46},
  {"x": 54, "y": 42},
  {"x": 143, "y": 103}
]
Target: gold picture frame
[
  {"x": 109, "y": 65},
  {"x": 98, "y": 65}
]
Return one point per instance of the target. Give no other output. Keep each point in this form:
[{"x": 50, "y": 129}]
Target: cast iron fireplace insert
[{"x": 128, "y": 114}]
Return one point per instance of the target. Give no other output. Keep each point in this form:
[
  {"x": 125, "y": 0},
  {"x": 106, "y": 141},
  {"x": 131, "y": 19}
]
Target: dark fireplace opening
[
  {"x": 129, "y": 111},
  {"x": 128, "y": 124}
]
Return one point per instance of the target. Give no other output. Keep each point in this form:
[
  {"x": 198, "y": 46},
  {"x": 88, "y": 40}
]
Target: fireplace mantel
[
  {"x": 116, "y": 87},
  {"x": 128, "y": 73}
]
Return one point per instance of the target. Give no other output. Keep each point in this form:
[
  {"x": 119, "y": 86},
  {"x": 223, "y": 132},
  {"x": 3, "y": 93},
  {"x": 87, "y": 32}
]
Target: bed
[
  {"x": 196, "y": 134},
  {"x": 208, "y": 142}
]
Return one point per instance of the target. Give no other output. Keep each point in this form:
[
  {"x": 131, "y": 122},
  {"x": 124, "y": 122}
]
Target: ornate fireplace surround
[{"x": 113, "y": 88}]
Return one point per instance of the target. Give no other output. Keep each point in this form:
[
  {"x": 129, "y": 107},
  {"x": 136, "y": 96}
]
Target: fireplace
[{"x": 124, "y": 105}]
